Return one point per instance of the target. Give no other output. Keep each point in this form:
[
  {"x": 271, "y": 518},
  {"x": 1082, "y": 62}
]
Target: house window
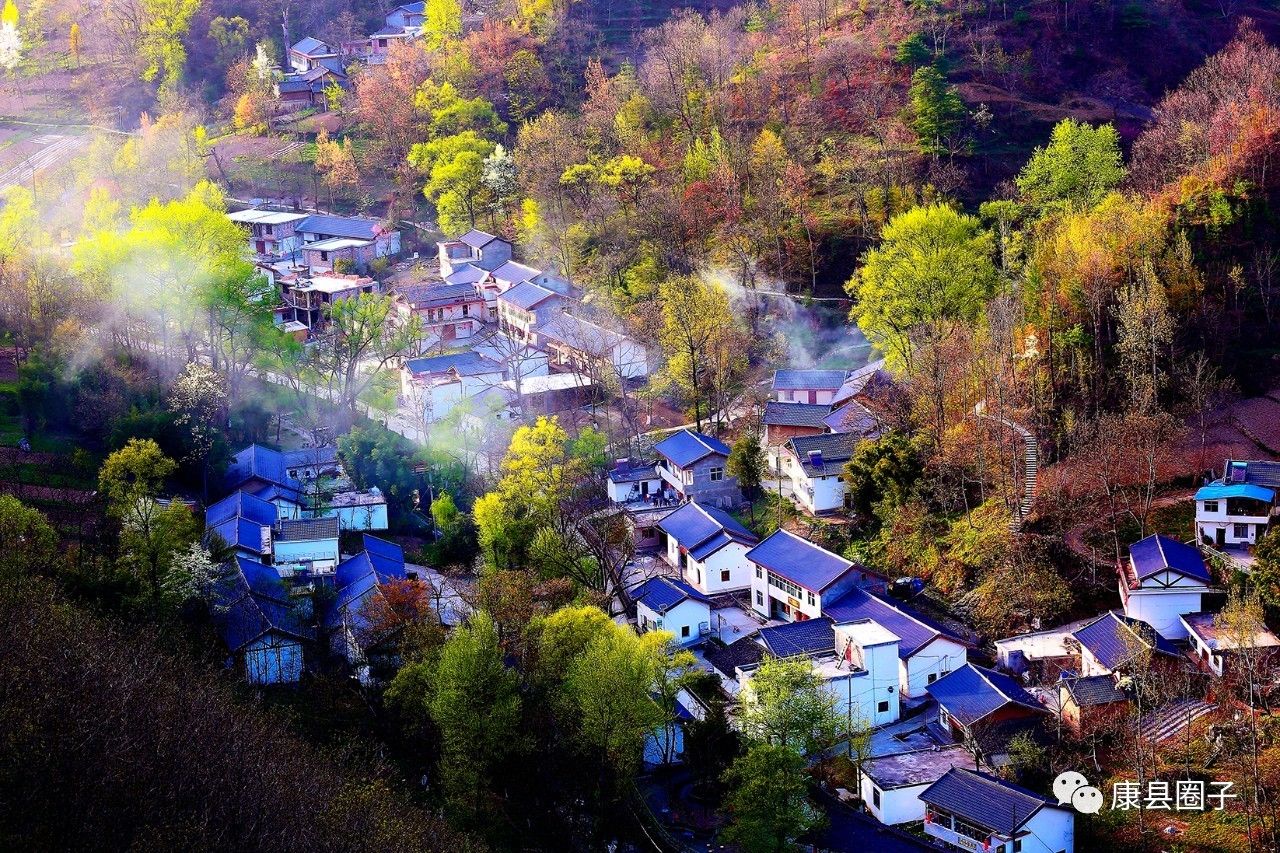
[
  {"x": 1210, "y": 506},
  {"x": 882, "y": 707},
  {"x": 724, "y": 575},
  {"x": 717, "y": 474},
  {"x": 684, "y": 630},
  {"x": 759, "y": 598},
  {"x": 1017, "y": 845},
  {"x": 759, "y": 573},
  {"x": 875, "y": 796},
  {"x": 933, "y": 676},
  {"x": 810, "y": 599},
  {"x": 1241, "y": 531},
  {"x": 698, "y": 574}
]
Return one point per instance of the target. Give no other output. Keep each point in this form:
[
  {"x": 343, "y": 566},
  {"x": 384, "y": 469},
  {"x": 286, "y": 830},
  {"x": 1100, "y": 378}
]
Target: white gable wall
[
  {"x": 936, "y": 659},
  {"x": 682, "y": 620},
  {"x": 1160, "y": 608},
  {"x": 897, "y": 805},
  {"x": 706, "y": 575}
]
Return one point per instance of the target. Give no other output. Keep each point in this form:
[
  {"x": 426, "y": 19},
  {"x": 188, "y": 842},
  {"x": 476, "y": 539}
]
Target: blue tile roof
[
  {"x": 475, "y": 238},
  {"x": 808, "y": 637},
  {"x": 466, "y": 363},
  {"x": 361, "y": 575},
  {"x": 972, "y": 692},
  {"x": 1258, "y": 472},
  {"x": 703, "y": 530},
  {"x": 660, "y": 594},
  {"x": 833, "y": 451},
  {"x": 1157, "y": 553},
  {"x": 1221, "y": 491},
  {"x": 426, "y": 295},
  {"x": 686, "y": 447},
  {"x": 241, "y": 533},
  {"x": 311, "y": 46},
  {"x": 526, "y": 295},
  {"x": 466, "y": 274},
  {"x": 800, "y": 561},
  {"x": 794, "y": 380},
  {"x": 340, "y": 226},
  {"x": 241, "y": 505},
  {"x": 261, "y": 463},
  {"x": 913, "y": 632},
  {"x": 252, "y": 602},
  {"x": 984, "y": 800},
  {"x": 1114, "y": 639}
]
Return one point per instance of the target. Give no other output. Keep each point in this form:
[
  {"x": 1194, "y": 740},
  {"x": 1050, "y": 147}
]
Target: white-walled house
[
  {"x": 807, "y": 386},
  {"x": 794, "y": 579},
  {"x": 1233, "y": 513},
  {"x": 476, "y": 247},
  {"x": 926, "y": 653},
  {"x": 815, "y": 466},
  {"x": 666, "y": 604},
  {"x": 1215, "y": 646},
  {"x": 709, "y": 547},
  {"x": 575, "y": 343},
  {"x": 1162, "y": 580},
  {"x": 891, "y": 785},
  {"x": 306, "y": 545},
  {"x": 1109, "y": 643},
  {"x": 973, "y": 811},
  {"x": 356, "y": 510},
  {"x": 628, "y": 482}
]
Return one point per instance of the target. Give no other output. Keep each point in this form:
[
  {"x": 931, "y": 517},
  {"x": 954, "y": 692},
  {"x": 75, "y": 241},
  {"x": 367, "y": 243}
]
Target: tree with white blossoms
[
  {"x": 192, "y": 574},
  {"x": 198, "y": 397},
  {"x": 10, "y": 38},
  {"x": 263, "y": 67}
]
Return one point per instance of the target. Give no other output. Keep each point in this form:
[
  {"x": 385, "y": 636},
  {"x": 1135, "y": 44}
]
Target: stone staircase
[{"x": 1030, "y": 463}]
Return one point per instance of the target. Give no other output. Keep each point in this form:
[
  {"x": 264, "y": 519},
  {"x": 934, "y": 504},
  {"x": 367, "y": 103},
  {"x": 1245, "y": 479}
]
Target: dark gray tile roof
[
  {"x": 823, "y": 455},
  {"x": 984, "y": 800},
  {"x": 1094, "y": 690},
  {"x": 298, "y": 529},
  {"x": 777, "y": 413}
]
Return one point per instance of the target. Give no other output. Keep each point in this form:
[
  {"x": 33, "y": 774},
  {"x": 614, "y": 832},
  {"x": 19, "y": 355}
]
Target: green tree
[
  {"x": 231, "y": 36},
  {"x": 912, "y": 51},
  {"x": 692, "y": 312},
  {"x": 882, "y": 471},
  {"x": 375, "y": 456},
  {"x": 932, "y": 271},
  {"x": 442, "y": 21},
  {"x": 936, "y": 109},
  {"x": 199, "y": 399},
  {"x": 785, "y": 703},
  {"x": 768, "y": 803},
  {"x": 746, "y": 462},
  {"x": 163, "y": 26},
  {"x": 1077, "y": 168},
  {"x": 456, "y": 542},
  {"x": 365, "y": 335},
  {"x": 1265, "y": 577},
  {"x": 475, "y": 704},
  {"x": 28, "y": 544}
]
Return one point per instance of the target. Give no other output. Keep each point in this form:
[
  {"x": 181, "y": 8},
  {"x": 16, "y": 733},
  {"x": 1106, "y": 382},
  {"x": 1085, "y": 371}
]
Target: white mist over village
[{"x": 637, "y": 425}]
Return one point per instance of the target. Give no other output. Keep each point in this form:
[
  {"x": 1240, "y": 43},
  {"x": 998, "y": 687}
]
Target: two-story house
[
  {"x": 1233, "y": 513},
  {"x": 265, "y": 629},
  {"x": 815, "y": 466},
  {"x": 794, "y": 579},
  {"x": 476, "y": 248},
  {"x": 272, "y": 233},
  {"x": 708, "y": 546},
  {"x": 435, "y": 386},
  {"x": 448, "y": 312},
  {"x": 973, "y": 811},
  {"x": 785, "y": 421},
  {"x": 308, "y": 53},
  {"x": 307, "y": 546},
  {"x": 327, "y": 239},
  {"x": 309, "y": 298},
  {"x": 579, "y": 345},
  {"x": 695, "y": 465},
  {"x": 1162, "y": 580},
  {"x": 244, "y": 523},
  {"x": 525, "y": 308},
  {"x": 808, "y": 386}
]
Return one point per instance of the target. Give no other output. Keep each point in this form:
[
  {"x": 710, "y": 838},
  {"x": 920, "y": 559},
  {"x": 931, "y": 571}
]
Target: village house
[
  {"x": 808, "y": 386},
  {"x": 708, "y": 546},
  {"x": 308, "y": 483},
  {"x": 308, "y": 53},
  {"x": 987, "y": 708},
  {"x": 667, "y": 604},
  {"x": 244, "y": 523},
  {"x": 326, "y": 240},
  {"x": 577, "y": 344},
  {"x": 1161, "y": 580},
  {"x": 794, "y": 579},
  {"x": 526, "y": 307},
  {"x": 815, "y": 466},
  {"x": 974, "y": 811},
  {"x": 309, "y": 298},
  {"x": 890, "y": 785},
  {"x": 263, "y": 627},
  {"x": 631, "y": 482},
  {"x": 785, "y": 421},
  {"x": 435, "y": 386},
  {"x": 305, "y": 546},
  {"x": 1216, "y": 646},
  {"x": 1233, "y": 514},
  {"x": 448, "y": 312},
  {"x": 272, "y": 233},
  {"x": 1111, "y": 644},
  {"x": 357, "y": 582},
  {"x": 926, "y": 652},
  {"x": 476, "y": 248},
  {"x": 1090, "y": 701},
  {"x": 310, "y": 88},
  {"x": 695, "y": 465}
]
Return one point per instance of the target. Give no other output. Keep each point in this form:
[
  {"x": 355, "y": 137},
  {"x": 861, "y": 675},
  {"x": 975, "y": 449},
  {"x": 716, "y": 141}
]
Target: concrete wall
[
  {"x": 706, "y": 576},
  {"x": 1161, "y": 609},
  {"x": 897, "y": 805},
  {"x": 723, "y": 493},
  {"x": 936, "y": 658},
  {"x": 681, "y": 621}
]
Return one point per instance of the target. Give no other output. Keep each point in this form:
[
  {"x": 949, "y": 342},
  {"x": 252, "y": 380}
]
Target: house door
[
  {"x": 448, "y": 333},
  {"x": 644, "y": 488},
  {"x": 1220, "y": 536},
  {"x": 262, "y": 247}
]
